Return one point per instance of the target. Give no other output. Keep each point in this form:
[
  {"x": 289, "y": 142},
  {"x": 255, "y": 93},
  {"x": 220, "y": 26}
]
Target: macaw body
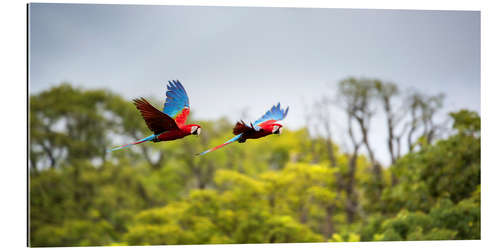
[
  {"x": 264, "y": 126},
  {"x": 175, "y": 134},
  {"x": 170, "y": 124},
  {"x": 249, "y": 132}
]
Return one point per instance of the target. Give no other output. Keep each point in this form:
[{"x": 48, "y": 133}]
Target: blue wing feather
[
  {"x": 176, "y": 99},
  {"x": 275, "y": 113}
]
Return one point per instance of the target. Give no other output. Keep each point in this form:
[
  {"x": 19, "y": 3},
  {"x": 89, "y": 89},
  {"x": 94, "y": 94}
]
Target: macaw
[
  {"x": 169, "y": 124},
  {"x": 264, "y": 126}
]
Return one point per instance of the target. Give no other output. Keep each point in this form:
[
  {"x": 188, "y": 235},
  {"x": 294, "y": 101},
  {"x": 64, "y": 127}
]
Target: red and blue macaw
[
  {"x": 264, "y": 126},
  {"x": 169, "y": 124}
]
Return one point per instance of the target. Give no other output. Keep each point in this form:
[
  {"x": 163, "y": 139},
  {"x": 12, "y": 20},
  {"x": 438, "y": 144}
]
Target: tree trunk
[
  {"x": 52, "y": 159},
  {"x": 390, "y": 128},
  {"x": 328, "y": 228},
  {"x": 376, "y": 168},
  {"x": 412, "y": 130},
  {"x": 352, "y": 199}
]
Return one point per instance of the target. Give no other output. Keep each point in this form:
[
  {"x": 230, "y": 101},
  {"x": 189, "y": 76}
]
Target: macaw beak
[{"x": 198, "y": 131}]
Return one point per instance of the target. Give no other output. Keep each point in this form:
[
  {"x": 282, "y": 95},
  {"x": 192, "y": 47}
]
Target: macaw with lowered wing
[{"x": 264, "y": 126}]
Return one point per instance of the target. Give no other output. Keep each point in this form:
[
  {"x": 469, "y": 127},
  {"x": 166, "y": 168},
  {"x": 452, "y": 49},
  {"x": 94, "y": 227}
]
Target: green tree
[{"x": 290, "y": 188}]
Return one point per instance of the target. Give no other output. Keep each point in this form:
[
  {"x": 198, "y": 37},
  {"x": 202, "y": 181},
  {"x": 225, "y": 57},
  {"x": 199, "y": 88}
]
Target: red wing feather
[
  {"x": 267, "y": 123},
  {"x": 156, "y": 120},
  {"x": 181, "y": 118},
  {"x": 241, "y": 127}
]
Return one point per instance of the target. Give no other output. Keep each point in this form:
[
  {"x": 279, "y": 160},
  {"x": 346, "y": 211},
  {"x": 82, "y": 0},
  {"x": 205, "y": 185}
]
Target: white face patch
[
  {"x": 275, "y": 128},
  {"x": 193, "y": 129}
]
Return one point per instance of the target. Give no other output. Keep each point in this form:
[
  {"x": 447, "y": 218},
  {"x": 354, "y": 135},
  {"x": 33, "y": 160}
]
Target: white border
[{"x": 13, "y": 144}]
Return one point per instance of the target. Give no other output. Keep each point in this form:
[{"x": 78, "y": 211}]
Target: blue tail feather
[{"x": 149, "y": 138}]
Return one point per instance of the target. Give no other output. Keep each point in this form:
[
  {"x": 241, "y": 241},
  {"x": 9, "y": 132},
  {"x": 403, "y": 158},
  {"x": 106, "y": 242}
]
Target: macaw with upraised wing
[
  {"x": 264, "y": 126},
  {"x": 169, "y": 124}
]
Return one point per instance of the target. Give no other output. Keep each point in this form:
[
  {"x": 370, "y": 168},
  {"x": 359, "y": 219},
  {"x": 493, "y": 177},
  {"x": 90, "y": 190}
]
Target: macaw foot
[{"x": 242, "y": 140}]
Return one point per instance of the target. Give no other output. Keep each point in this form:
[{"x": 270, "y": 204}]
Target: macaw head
[
  {"x": 271, "y": 127},
  {"x": 194, "y": 129},
  {"x": 277, "y": 129},
  {"x": 274, "y": 128}
]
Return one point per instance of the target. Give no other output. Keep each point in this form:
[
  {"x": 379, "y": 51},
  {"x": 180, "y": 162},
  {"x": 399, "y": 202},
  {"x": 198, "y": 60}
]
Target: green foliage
[
  {"x": 349, "y": 237},
  {"x": 449, "y": 169},
  {"x": 445, "y": 221},
  {"x": 75, "y": 233},
  {"x": 208, "y": 216},
  {"x": 277, "y": 189},
  {"x": 466, "y": 122}
]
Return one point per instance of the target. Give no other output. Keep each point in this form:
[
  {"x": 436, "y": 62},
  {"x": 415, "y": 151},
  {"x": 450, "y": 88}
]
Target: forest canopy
[{"x": 301, "y": 186}]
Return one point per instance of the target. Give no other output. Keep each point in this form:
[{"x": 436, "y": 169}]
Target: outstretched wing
[
  {"x": 157, "y": 121},
  {"x": 222, "y": 145},
  {"x": 276, "y": 113},
  {"x": 177, "y": 102}
]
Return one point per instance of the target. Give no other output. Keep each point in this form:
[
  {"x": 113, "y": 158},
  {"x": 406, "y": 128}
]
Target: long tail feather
[
  {"x": 149, "y": 138},
  {"x": 222, "y": 145}
]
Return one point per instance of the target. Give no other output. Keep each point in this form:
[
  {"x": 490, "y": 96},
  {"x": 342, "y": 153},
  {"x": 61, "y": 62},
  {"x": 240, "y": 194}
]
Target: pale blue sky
[{"x": 232, "y": 58}]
